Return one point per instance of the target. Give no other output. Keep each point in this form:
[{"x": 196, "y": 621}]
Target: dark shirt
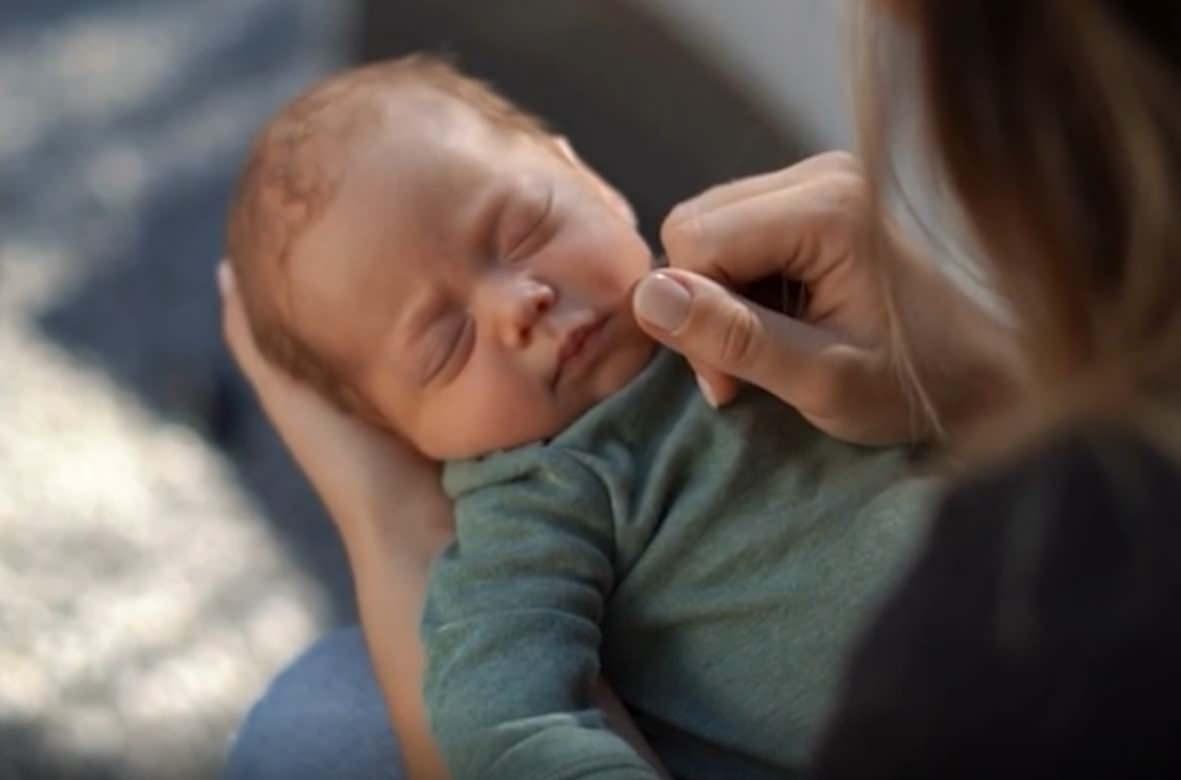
[{"x": 1038, "y": 634}]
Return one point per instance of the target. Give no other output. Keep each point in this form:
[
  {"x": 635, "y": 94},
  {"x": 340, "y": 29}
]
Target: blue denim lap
[{"x": 323, "y": 716}]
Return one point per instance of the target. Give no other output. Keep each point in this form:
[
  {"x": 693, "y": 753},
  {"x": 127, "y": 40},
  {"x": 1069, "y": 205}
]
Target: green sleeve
[{"x": 511, "y": 628}]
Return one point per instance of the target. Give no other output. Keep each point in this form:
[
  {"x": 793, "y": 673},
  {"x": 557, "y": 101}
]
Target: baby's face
[{"x": 475, "y": 280}]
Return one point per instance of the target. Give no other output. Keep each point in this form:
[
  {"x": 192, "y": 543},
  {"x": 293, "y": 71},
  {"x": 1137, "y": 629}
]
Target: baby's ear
[{"x": 613, "y": 196}]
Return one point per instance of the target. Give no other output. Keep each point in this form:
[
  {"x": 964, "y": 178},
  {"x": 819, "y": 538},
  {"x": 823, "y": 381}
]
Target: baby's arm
[{"x": 512, "y": 631}]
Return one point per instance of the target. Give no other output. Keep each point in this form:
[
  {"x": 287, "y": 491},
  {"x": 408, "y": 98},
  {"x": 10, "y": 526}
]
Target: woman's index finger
[
  {"x": 732, "y": 192},
  {"x": 787, "y": 232}
]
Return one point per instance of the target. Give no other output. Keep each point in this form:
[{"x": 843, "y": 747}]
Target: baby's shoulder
[{"x": 532, "y": 468}]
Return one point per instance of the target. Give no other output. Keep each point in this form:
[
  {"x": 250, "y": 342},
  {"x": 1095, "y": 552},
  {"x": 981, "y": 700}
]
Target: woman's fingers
[
  {"x": 355, "y": 467},
  {"x": 236, "y": 330},
  {"x": 724, "y": 335},
  {"x": 717, "y": 387},
  {"x": 838, "y": 362},
  {"x": 743, "y": 189},
  {"x": 233, "y": 318},
  {"x": 807, "y": 224},
  {"x": 801, "y": 232}
]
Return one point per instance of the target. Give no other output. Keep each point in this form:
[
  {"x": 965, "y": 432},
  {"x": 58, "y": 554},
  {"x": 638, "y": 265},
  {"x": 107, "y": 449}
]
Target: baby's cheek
[
  {"x": 615, "y": 265},
  {"x": 630, "y": 257},
  {"x": 495, "y": 415}
]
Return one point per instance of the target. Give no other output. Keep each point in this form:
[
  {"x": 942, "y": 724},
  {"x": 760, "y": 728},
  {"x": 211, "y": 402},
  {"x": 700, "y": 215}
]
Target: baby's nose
[{"x": 525, "y": 302}]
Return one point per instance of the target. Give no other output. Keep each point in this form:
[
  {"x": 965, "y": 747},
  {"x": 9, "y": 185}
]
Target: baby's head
[{"x": 429, "y": 257}]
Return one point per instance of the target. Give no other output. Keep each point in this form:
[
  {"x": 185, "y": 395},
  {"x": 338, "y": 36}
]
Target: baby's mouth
[{"x": 574, "y": 344}]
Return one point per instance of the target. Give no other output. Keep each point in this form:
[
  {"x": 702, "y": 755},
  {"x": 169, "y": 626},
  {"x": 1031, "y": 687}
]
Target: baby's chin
[
  {"x": 630, "y": 352},
  {"x": 623, "y": 362}
]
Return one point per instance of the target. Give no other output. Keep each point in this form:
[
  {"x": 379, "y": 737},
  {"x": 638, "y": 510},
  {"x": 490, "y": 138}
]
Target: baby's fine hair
[{"x": 291, "y": 177}]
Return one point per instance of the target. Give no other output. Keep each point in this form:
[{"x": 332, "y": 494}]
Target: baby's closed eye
[
  {"x": 525, "y": 224},
  {"x": 448, "y": 347}
]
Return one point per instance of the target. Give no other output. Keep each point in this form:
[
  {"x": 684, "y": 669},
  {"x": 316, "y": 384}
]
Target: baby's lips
[
  {"x": 575, "y": 339},
  {"x": 572, "y": 343}
]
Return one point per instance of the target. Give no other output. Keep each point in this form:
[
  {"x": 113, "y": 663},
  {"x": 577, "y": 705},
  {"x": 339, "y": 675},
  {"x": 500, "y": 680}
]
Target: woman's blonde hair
[{"x": 1057, "y": 125}]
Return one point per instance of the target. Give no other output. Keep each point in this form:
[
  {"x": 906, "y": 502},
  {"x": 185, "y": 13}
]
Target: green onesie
[{"x": 715, "y": 565}]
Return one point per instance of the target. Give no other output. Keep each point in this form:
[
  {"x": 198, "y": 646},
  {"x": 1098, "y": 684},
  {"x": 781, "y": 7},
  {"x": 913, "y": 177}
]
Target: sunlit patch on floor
[{"x": 144, "y": 601}]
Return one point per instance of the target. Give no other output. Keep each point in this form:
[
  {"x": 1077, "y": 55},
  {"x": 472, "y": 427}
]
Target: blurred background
[{"x": 160, "y": 557}]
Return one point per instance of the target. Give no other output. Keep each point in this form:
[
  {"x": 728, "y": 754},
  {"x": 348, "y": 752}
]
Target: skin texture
[{"x": 473, "y": 280}]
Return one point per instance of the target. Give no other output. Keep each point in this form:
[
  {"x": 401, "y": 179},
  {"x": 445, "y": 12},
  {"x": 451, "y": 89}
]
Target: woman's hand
[
  {"x": 359, "y": 472},
  {"x": 391, "y": 514},
  {"x": 838, "y": 361}
]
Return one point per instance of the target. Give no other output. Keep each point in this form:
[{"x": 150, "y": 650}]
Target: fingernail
[
  {"x": 707, "y": 392},
  {"x": 662, "y": 301},
  {"x": 225, "y": 278}
]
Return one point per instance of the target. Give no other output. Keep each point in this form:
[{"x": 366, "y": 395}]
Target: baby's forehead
[{"x": 426, "y": 113}]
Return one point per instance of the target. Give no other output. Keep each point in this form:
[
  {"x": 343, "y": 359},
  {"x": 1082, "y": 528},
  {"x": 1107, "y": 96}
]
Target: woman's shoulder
[
  {"x": 1095, "y": 498},
  {"x": 1086, "y": 471},
  {"x": 1095, "y": 504},
  {"x": 1038, "y": 631}
]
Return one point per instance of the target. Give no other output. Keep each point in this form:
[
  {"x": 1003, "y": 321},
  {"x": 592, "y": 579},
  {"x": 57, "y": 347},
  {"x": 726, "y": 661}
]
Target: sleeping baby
[{"x": 430, "y": 258}]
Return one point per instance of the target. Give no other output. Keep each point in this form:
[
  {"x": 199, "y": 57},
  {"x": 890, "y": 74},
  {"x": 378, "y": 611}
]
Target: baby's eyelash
[
  {"x": 528, "y": 234},
  {"x": 457, "y": 350}
]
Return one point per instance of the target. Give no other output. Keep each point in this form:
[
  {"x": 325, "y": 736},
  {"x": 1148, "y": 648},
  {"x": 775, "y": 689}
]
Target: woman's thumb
[{"x": 722, "y": 333}]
